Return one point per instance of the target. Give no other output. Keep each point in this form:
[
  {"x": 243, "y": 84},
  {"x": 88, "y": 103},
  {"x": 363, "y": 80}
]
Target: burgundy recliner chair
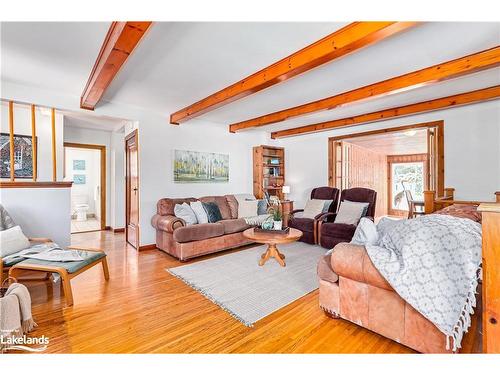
[
  {"x": 310, "y": 226},
  {"x": 330, "y": 233}
]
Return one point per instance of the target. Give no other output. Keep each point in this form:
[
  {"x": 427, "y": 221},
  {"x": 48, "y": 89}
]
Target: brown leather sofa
[
  {"x": 351, "y": 288},
  {"x": 184, "y": 242}
]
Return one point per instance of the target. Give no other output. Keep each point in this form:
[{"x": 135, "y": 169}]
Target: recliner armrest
[
  {"x": 326, "y": 216},
  {"x": 167, "y": 223},
  {"x": 296, "y": 211}
]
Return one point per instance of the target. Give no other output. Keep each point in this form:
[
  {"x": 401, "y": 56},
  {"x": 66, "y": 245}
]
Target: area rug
[{"x": 249, "y": 292}]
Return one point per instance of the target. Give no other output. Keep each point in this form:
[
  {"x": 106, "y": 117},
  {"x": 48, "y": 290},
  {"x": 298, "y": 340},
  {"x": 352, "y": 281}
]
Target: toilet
[
  {"x": 80, "y": 207},
  {"x": 81, "y": 211}
]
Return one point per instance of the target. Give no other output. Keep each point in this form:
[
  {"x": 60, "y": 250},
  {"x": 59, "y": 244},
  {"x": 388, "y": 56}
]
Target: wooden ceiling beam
[
  {"x": 340, "y": 43},
  {"x": 120, "y": 41},
  {"x": 471, "y": 97},
  {"x": 452, "y": 69}
]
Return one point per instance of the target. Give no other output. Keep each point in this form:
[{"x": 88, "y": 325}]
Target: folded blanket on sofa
[{"x": 433, "y": 263}]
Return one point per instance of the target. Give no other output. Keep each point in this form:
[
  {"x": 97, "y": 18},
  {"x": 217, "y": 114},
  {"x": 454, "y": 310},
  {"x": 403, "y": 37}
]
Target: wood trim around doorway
[
  {"x": 102, "y": 149},
  {"x": 439, "y": 125},
  {"x": 132, "y": 134}
]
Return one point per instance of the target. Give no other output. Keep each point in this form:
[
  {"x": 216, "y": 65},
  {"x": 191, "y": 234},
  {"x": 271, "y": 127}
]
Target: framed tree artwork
[{"x": 23, "y": 156}]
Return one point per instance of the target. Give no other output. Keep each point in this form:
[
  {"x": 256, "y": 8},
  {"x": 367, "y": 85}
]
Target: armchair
[
  {"x": 331, "y": 233},
  {"x": 310, "y": 226}
]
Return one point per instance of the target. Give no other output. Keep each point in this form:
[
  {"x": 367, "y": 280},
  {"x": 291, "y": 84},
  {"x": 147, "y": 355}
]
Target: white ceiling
[
  {"x": 397, "y": 143},
  {"x": 178, "y": 63}
]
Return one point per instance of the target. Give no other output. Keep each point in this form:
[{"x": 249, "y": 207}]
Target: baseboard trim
[
  {"x": 147, "y": 247},
  {"x": 118, "y": 230}
]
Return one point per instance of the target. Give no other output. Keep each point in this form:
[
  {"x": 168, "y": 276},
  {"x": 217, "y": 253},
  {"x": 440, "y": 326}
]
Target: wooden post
[
  {"x": 497, "y": 194},
  {"x": 11, "y": 141},
  {"x": 429, "y": 196},
  {"x": 33, "y": 143},
  {"x": 54, "y": 159},
  {"x": 491, "y": 276},
  {"x": 449, "y": 193}
]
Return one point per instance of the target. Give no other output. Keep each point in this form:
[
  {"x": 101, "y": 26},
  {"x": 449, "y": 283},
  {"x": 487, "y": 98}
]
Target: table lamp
[{"x": 285, "y": 190}]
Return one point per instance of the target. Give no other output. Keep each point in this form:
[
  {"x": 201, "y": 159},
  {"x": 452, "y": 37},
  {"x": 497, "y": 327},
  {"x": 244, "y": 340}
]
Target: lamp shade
[{"x": 285, "y": 189}]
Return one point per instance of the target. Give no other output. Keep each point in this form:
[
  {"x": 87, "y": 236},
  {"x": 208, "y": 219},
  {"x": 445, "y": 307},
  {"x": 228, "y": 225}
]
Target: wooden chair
[{"x": 413, "y": 205}]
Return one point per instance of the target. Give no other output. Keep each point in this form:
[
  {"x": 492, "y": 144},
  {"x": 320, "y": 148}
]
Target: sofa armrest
[
  {"x": 326, "y": 216},
  {"x": 352, "y": 262},
  {"x": 167, "y": 223},
  {"x": 40, "y": 240}
]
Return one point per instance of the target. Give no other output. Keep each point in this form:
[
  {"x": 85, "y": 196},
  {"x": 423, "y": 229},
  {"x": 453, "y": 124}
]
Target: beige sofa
[{"x": 183, "y": 242}]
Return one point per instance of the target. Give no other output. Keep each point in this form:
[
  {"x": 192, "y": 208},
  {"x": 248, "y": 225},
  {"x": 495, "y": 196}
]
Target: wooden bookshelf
[{"x": 268, "y": 170}]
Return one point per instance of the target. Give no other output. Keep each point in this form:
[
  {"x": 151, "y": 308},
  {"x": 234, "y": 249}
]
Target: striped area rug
[{"x": 248, "y": 292}]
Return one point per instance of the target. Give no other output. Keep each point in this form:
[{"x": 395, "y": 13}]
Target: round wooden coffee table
[{"x": 272, "y": 239}]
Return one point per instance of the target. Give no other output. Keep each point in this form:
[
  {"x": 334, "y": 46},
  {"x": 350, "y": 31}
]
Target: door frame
[
  {"x": 438, "y": 125},
  {"x": 102, "y": 149},
  {"x": 132, "y": 134}
]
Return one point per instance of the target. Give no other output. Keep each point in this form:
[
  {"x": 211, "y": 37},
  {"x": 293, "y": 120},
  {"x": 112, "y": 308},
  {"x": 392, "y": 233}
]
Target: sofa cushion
[
  {"x": 199, "y": 211},
  {"x": 350, "y": 212},
  {"x": 186, "y": 213},
  {"x": 234, "y": 225},
  {"x": 166, "y": 206},
  {"x": 247, "y": 208},
  {"x": 344, "y": 231},
  {"x": 233, "y": 205},
  {"x": 213, "y": 212},
  {"x": 198, "y": 232},
  {"x": 221, "y": 202}
]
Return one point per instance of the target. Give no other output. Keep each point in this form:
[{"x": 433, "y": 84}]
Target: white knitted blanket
[{"x": 433, "y": 262}]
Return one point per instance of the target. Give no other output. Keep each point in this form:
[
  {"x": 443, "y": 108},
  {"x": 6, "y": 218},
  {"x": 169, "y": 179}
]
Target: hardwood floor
[{"x": 144, "y": 309}]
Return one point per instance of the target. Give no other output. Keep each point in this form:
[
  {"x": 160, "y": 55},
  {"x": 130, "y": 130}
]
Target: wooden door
[{"x": 132, "y": 189}]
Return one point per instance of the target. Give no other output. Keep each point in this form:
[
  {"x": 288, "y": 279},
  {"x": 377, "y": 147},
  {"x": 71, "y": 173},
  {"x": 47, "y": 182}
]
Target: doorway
[
  {"x": 132, "y": 189},
  {"x": 399, "y": 163},
  {"x": 85, "y": 165}
]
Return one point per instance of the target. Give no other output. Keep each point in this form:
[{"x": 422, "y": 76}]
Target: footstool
[{"x": 67, "y": 270}]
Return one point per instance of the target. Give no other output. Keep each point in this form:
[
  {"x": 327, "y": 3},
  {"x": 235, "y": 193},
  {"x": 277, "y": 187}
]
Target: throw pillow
[
  {"x": 213, "y": 212},
  {"x": 6, "y": 221},
  {"x": 199, "y": 211},
  {"x": 366, "y": 233},
  {"x": 247, "y": 208},
  {"x": 350, "y": 212},
  {"x": 262, "y": 207},
  {"x": 385, "y": 224},
  {"x": 314, "y": 207},
  {"x": 12, "y": 240},
  {"x": 186, "y": 213},
  {"x": 364, "y": 211}
]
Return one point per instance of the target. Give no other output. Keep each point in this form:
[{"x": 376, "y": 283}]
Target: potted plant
[{"x": 277, "y": 215}]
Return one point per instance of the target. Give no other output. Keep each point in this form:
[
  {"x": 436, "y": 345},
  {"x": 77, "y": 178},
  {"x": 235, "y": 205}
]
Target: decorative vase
[{"x": 278, "y": 225}]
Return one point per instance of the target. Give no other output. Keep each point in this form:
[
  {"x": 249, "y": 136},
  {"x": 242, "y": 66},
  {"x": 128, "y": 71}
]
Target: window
[
  {"x": 406, "y": 176},
  {"x": 18, "y": 159}
]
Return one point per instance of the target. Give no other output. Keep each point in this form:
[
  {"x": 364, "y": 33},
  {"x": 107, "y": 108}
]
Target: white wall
[
  {"x": 85, "y": 193},
  {"x": 472, "y": 152},
  {"x": 22, "y": 126},
  {"x": 40, "y": 212}
]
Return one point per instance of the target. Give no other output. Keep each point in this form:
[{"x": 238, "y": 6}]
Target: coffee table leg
[{"x": 272, "y": 251}]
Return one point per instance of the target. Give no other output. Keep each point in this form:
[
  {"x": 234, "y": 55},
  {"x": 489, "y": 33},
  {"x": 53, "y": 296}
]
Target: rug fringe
[{"x": 212, "y": 299}]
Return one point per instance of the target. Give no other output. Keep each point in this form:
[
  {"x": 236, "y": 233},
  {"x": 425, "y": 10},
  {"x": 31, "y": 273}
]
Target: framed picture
[
  {"x": 79, "y": 179},
  {"x": 78, "y": 165},
  {"x": 200, "y": 167},
  {"x": 23, "y": 156}
]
